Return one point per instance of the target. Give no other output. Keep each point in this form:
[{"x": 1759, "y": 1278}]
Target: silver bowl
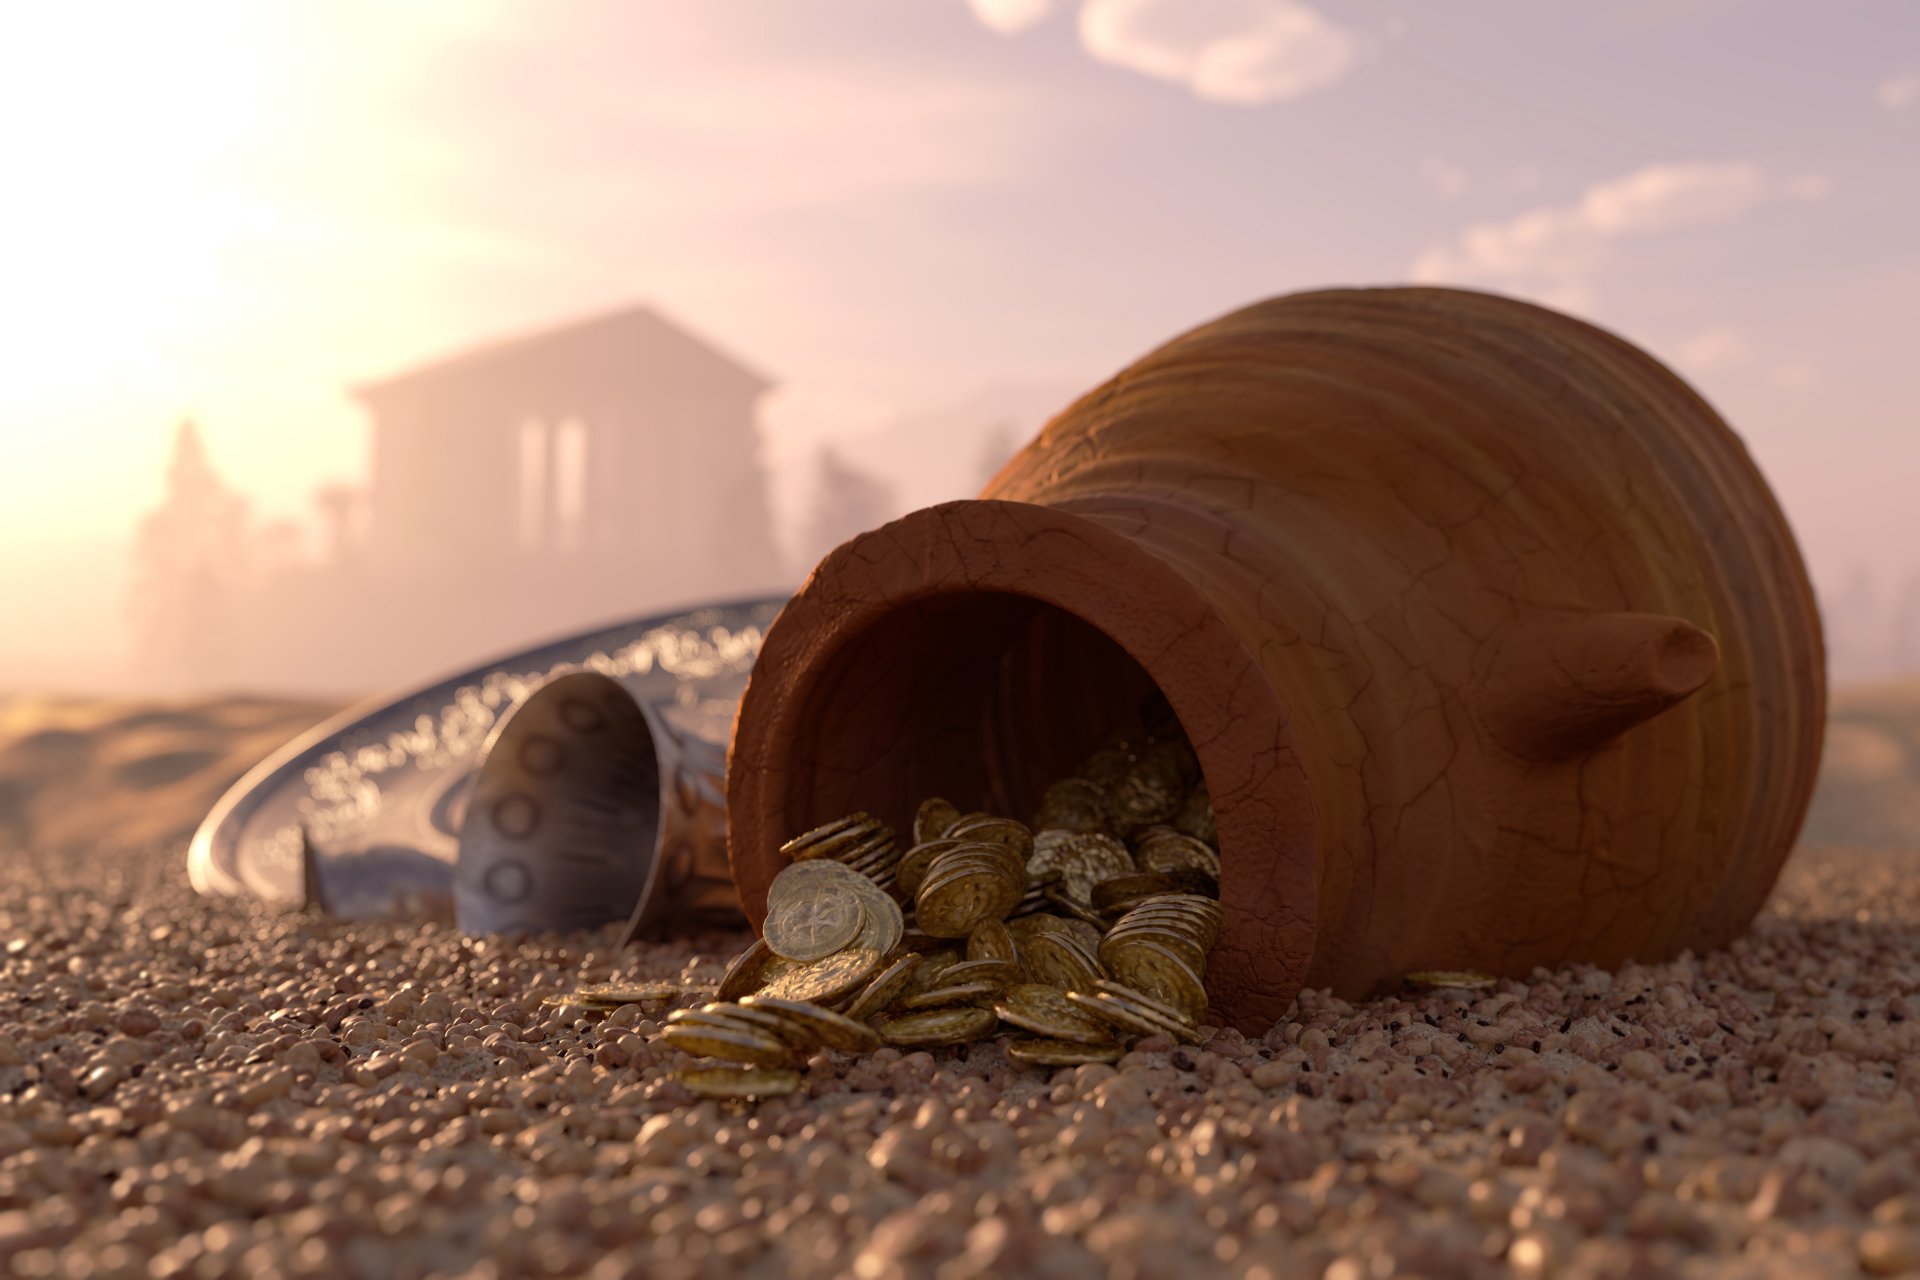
[{"x": 574, "y": 783}]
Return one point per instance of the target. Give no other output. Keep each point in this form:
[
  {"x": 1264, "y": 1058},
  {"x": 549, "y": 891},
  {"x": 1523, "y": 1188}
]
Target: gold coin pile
[{"x": 1087, "y": 929}]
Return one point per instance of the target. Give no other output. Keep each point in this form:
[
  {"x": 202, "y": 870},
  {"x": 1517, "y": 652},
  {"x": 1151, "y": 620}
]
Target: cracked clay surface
[{"x": 1495, "y": 648}]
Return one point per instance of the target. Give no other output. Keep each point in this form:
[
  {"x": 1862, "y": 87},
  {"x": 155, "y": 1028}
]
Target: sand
[
  {"x": 124, "y": 772},
  {"x": 194, "y": 1088}
]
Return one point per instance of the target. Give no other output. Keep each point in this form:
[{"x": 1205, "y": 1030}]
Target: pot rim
[{"x": 1239, "y": 727}]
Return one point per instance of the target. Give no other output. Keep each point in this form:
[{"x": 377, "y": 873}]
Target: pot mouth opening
[
  {"x": 981, "y": 698},
  {"x": 979, "y": 651}
]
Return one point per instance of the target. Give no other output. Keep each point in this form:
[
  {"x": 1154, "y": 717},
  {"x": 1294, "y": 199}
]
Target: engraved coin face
[
  {"x": 1156, "y": 970},
  {"x": 1057, "y": 959},
  {"x": 814, "y": 926},
  {"x": 883, "y": 924},
  {"x": 836, "y": 975}
]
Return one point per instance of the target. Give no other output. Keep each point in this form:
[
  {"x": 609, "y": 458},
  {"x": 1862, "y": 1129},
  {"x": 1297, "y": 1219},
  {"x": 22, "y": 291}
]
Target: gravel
[{"x": 204, "y": 1089}]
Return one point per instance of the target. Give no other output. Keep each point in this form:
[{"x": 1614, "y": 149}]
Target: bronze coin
[
  {"x": 938, "y": 1027},
  {"x": 834, "y": 1030},
  {"x": 812, "y": 926},
  {"x": 932, "y": 819},
  {"x": 734, "y": 1042},
  {"x": 739, "y": 1082},
  {"x": 1046, "y": 1011},
  {"x": 1062, "y": 1053},
  {"x": 946, "y": 995},
  {"x": 885, "y": 989},
  {"x": 746, "y": 973},
  {"x": 836, "y": 975}
]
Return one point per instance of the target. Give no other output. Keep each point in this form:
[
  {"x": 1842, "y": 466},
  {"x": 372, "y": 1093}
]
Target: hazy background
[{"x": 927, "y": 223}]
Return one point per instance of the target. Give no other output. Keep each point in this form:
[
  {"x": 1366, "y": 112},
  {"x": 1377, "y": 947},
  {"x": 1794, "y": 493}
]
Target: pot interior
[{"x": 983, "y": 698}]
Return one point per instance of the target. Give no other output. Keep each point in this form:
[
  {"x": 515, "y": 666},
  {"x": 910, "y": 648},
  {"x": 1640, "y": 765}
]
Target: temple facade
[
  {"x": 520, "y": 491},
  {"x": 619, "y": 440}
]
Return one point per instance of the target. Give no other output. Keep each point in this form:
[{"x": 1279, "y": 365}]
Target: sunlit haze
[{"x": 925, "y": 222}]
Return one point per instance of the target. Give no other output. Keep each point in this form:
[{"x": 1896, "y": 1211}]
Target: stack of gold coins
[
  {"x": 1073, "y": 804},
  {"x": 762, "y": 1039},
  {"x": 1160, "y": 948},
  {"x": 858, "y": 840},
  {"x": 1082, "y": 859},
  {"x": 1085, "y": 932},
  {"x": 1170, "y": 851},
  {"x": 1195, "y": 817},
  {"x": 1153, "y": 787},
  {"x": 972, "y": 882}
]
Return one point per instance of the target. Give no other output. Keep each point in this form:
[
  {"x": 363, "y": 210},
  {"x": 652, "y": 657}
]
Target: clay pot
[{"x": 1494, "y": 647}]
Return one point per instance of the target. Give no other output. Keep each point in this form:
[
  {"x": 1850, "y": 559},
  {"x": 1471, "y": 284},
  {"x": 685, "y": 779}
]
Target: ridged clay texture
[{"x": 1493, "y": 644}]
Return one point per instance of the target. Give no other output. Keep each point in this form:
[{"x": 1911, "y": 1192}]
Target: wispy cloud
[
  {"x": 1244, "y": 52},
  {"x": 1008, "y": 16},
  {"x": 1443, "y": 176},
  {"x": 1557, "y": 251},
  {"x": 1713, "y": 351},
  {"x": 1795, "y": 375},
  {"x": 1900, "y": 92}
]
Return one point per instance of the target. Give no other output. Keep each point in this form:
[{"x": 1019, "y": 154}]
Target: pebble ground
[{"x": 202, "y": 1089}]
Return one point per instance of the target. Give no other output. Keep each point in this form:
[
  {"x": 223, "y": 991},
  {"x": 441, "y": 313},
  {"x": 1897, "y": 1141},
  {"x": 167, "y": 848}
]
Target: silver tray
[{"x": 363, "y": 815}]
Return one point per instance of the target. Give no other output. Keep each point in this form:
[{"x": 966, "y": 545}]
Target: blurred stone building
[{"x": 518, "y": 491}]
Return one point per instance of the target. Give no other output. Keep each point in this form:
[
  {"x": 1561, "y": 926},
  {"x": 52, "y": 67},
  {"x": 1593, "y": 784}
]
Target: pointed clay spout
[{"x": 1561, "y": 688}]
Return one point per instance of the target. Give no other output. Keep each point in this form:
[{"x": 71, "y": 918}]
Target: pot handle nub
[{"x": 1559, "y": 687}]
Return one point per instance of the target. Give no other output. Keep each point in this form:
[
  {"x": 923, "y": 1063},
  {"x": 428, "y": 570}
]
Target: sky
[{"x": 230, "y": 211}]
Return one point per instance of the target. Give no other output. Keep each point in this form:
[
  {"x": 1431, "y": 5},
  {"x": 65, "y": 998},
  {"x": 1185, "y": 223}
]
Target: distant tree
[
  {"x": 337, "y": 503},
  {"x": 1904, "y": 643},
  {"x": 846, "y": 501},
  {"x": 190, "y": 564}
]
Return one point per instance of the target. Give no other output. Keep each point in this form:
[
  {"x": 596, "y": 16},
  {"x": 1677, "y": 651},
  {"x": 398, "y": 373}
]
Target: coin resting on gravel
[
  {"x": 1087, "y": 929},
  {"x": 1434, "y": 979},
  {"x": 814, "y": 927},
  {"x": 740, "y": 1082},
  {"x": 1061, "y": 1053},
  {"x": 938, "y": 1026}
]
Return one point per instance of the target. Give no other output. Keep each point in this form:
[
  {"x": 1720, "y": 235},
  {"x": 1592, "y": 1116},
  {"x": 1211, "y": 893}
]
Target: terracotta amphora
[{"x": 1494, "y": 646}]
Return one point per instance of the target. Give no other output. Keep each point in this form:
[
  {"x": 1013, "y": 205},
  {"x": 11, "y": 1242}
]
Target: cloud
[
  {"x": 1810, "y": 186},
  {"x": 1795, "y": 375},
  {"x": 1244, "y": 52},
  {"x": 1713, "y": 350},
  {"x": 1557, "y": 251},
  {"x": 1009, "y": 16},
  {"x": 1900, "y": 92},
  {"x": 1238, "y": 51}
]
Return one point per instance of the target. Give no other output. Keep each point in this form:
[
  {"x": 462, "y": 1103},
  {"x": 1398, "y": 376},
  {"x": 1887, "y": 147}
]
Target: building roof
[{"x": 632, "y": 350}]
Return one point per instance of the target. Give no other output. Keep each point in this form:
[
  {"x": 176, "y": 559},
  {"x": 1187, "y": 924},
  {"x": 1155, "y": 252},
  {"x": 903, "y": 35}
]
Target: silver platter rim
[{"x": 211, "y": 853}]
